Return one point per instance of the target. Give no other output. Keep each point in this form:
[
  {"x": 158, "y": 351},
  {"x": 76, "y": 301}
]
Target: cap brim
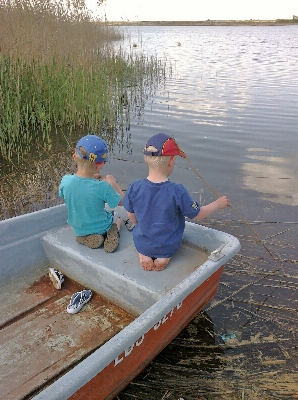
[{"x": 171, "y": 148}]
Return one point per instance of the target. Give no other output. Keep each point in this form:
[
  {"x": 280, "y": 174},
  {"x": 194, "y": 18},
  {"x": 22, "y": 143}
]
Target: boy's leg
[
  {"x": 118, "y": 223},
  {"x": 160, "y": 263},
  {"x": 146, "y": 262}
]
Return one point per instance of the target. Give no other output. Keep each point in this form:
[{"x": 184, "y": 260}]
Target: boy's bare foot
[
  {"x": 146, "y": 262},
  {"x": 160, "y": 263}
]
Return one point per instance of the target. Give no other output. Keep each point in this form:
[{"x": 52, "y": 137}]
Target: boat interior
[{"x": 118, "y": 276}]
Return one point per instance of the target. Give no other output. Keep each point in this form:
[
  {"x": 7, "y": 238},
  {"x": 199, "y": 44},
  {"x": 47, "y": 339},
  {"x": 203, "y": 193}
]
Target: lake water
[{"x": 232, "y": 105}]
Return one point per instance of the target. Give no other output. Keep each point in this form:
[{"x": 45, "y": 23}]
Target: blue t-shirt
[
  {"x": 160, "y": 209},
  {"x": 85, "y": 199}
]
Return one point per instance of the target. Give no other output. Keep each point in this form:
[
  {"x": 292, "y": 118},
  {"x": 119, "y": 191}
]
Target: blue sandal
[{"x": 77, "y": 301}]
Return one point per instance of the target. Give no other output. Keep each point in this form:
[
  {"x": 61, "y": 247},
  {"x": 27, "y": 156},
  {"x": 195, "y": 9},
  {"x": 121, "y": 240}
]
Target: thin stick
[
  {"x": 231, "y": 296},
  {"x": 218, "y": 195},
  {"x": 235, "y": 211}
]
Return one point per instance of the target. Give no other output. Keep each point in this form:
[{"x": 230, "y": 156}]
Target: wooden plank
[
  {"x": 41, "y": 343},
  {"x": 17, "y": 300}
]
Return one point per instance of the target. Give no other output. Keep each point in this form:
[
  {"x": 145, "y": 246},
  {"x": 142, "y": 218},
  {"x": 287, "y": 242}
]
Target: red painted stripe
[{"x": 109, "y": 382}]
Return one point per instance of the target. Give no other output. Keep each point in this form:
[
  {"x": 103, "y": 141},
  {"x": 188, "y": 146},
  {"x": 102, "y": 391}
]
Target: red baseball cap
[{"x": 165, "y": 146}]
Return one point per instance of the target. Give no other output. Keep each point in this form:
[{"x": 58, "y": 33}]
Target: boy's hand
[
  {"x": 223, "y": 202},
  {"x": 205, "y": 211},
  {"x": 110, "y": 179}
]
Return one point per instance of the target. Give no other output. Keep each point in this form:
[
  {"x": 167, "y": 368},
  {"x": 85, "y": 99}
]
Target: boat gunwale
[
  {"x": 73, "y": 380},
  {"x": 107, "y": 353}
]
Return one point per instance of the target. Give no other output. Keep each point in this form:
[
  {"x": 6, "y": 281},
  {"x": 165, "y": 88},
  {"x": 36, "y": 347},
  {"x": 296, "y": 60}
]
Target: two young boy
[{"x": 155, "y": 205}]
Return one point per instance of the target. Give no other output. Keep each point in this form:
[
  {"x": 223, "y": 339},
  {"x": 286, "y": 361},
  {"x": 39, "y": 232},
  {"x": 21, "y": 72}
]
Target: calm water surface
[{"x": 232, "y": 105}]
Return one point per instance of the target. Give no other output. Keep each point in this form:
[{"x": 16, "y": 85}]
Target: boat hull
[{"x": 109, "y": 382}]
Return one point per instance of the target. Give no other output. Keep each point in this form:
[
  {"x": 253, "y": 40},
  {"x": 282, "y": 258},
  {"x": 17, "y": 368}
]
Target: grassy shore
[
  {"x": 62, "y": 75},
  {"x": 60, "y": 71}
]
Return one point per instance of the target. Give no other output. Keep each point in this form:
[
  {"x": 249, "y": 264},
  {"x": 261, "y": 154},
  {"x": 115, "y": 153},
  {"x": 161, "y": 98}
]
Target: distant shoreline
[{"x": 251, "y": 22}]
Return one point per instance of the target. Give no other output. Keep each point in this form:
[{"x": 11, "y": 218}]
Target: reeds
[
  {"x": 34, "y": 187},
  {"x": 59, "y": 71}
]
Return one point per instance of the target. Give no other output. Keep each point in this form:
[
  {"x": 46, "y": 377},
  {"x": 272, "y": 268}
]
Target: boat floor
[
  {"x": 40, "y": 341},
  {"x": 125, "y": 261}
]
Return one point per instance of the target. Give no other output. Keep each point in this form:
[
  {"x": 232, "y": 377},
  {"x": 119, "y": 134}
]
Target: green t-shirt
[{"x": 85, "y": 199}]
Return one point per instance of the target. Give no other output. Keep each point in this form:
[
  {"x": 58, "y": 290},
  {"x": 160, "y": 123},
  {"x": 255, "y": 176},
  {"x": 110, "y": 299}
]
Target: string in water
[{"x": 235, "y": 211}]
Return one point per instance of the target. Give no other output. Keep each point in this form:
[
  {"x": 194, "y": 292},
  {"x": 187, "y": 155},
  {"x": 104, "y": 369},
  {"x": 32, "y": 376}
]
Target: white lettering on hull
[{"x": 128, "y": 351}]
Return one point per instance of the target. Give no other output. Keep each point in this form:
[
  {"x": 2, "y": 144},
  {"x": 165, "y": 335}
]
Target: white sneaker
[{"x": 56, "y": 277}]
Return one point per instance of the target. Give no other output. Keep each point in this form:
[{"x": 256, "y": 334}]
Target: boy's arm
[
  {"x": 132, "y": 217},
  {"x": 112, "y": 181},
  {"x": 205, "y": 211}
]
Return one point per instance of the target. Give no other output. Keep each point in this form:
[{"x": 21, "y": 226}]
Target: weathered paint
[
  {"x": 131, "y": 362},
  {"x": 39, "y": 339},
  {"x": 140, "y": 341}
]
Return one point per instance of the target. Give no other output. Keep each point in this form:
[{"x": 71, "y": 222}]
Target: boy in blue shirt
[
  {"x": 158, "y": 207},
  {"x": 85, "y": 196}
]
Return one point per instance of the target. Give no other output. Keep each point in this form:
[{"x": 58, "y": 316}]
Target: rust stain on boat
[{"x": 40, "y": 340}]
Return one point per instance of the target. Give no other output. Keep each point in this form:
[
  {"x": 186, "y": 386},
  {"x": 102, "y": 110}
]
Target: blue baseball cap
[
  {"x": 92, "y": 148},
  {"x": 165, "y": 146}
]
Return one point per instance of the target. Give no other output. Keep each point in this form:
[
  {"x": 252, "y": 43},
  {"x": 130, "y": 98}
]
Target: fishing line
[
  {"x": 235, "y": 211},
  {"x": 218, "y": 195},
  {"x": 250, "y": 227},
  {"x": 285, "y": 353}
]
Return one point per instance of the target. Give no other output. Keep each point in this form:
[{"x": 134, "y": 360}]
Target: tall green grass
[{"x": 59, "y": 71}]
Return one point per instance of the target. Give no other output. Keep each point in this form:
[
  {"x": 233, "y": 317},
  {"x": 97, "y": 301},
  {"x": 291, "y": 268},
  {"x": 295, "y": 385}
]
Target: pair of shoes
[
  {"x": 129, "y": 225},
  {"x": 112, "y": 240},
  {"x": 56, "y": 277},
  {"x": 93, "y": 241},
  {"x": 77, "y": 301}
]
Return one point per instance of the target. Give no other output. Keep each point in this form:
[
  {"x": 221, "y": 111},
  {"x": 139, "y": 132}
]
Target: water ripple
[{"x": 232, "y": 88}]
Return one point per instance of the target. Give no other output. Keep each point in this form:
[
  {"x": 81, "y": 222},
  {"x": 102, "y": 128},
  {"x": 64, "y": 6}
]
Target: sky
[{"x": 197, "y": 10}]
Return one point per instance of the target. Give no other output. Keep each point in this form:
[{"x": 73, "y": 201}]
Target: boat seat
[{"x": 118, "y": 276}]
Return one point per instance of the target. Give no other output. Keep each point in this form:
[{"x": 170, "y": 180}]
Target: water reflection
[
  {"x": 192, "y": 356},
  {"x": 204, "y": 354},
  {"x": 231, "y": 87},
  {"x": 273, "y": 176}
]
